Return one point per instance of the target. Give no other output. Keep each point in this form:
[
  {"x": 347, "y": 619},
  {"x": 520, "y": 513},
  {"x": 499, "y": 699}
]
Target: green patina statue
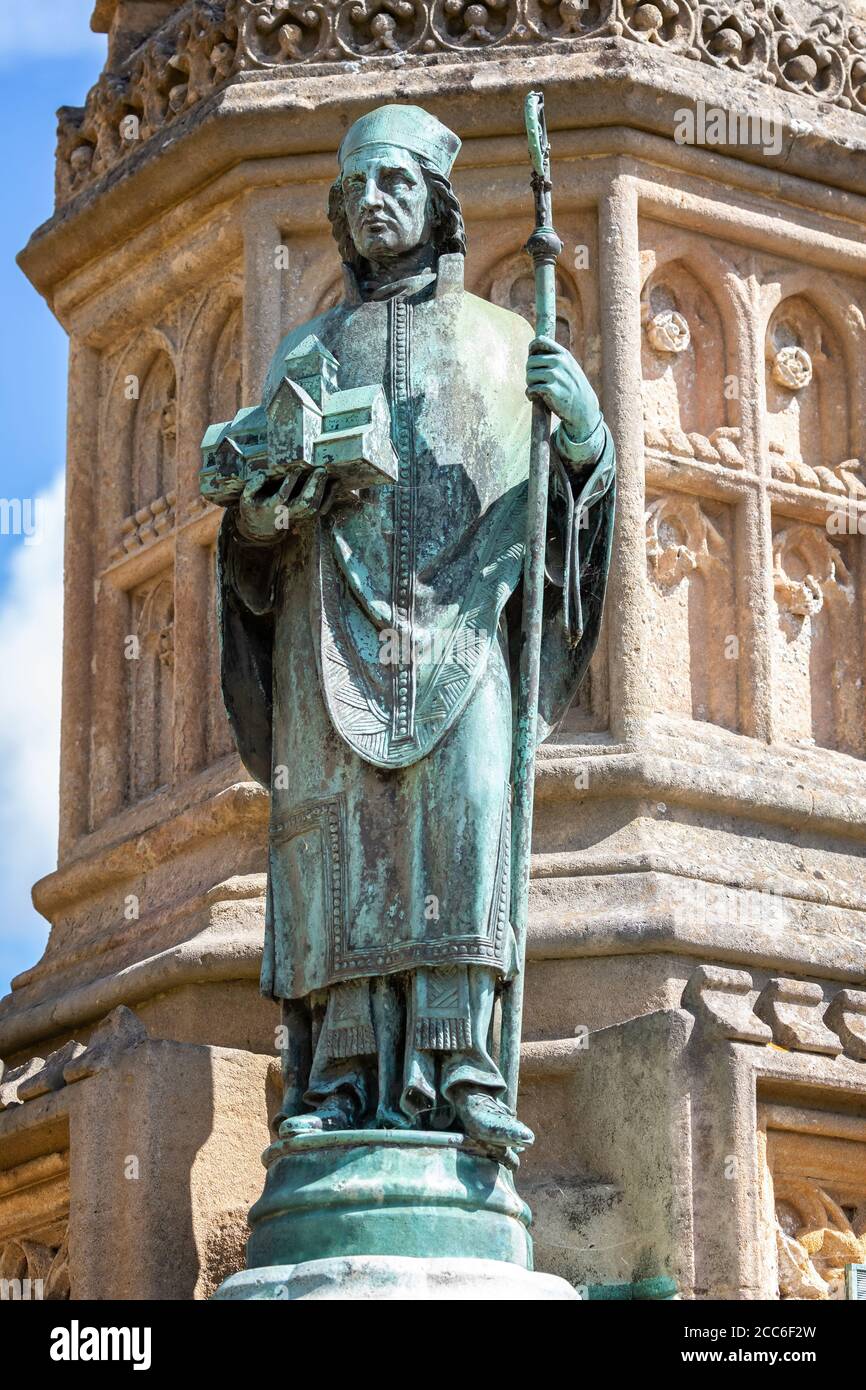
[{"x": 370, "y": 564}]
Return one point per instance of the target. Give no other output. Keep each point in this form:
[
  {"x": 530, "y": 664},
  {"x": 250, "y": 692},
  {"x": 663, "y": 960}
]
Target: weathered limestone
[
  {"x": 721, "y": 1001},
  {"x": 701, "y": 817},
  {"x": 846, "y": 1016},
  {"x": 791, "y": 1007},
  {"x": 131, "y": 1176}
]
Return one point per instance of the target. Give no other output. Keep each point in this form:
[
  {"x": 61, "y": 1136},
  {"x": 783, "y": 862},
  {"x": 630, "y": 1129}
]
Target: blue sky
[{"x": 48, "y": 58}]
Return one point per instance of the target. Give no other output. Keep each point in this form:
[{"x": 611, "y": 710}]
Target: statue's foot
[
  {"x": 336, "y": 1112},
  {"x": 488, "y": 1120},
  {"x": 388, "y": 1118}
]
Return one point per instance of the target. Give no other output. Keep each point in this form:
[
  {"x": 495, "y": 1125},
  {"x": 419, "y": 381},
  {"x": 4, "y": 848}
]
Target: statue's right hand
[
  {"x": 268, "y": 509},
  {"x": 218, "y": 488}
]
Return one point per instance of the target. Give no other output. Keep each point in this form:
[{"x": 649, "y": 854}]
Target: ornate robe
[{"x": 367, "y": 657}]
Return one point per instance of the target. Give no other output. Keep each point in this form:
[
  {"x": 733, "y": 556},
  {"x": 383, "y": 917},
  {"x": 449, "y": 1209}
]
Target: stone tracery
[
  {"x": 686, "y": 410},
  {"x": 512, "y": 287}
]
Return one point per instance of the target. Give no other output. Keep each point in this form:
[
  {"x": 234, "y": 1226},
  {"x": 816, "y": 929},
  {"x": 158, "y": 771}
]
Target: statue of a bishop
[{"x": 370, "y": 598}]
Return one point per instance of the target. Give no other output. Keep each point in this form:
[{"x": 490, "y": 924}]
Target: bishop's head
[{"x": 393, "y": 195}]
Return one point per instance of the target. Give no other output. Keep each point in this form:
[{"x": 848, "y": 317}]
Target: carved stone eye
[
  {"x": 792, "y": 367},
  {"x": 668, "y": 331}
]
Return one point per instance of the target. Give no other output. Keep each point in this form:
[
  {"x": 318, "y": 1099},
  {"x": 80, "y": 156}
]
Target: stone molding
[
  {"x": 791, "y": 1014},
  {"x": 792, "y": 1009},
  {"x": 847, "y": 1018},
  {"x": 119, "y": 1032},
  {"x": 209, "y": 957},
  {"x": 720, "y": 1001},
  {"x": 34, "y": 1221},
  {"x": 814, "y": 1195},
  {"x": 184, "y": 1120},
  {"x": 122, "y": 1030},
  {"x": 807, "y": 47}
]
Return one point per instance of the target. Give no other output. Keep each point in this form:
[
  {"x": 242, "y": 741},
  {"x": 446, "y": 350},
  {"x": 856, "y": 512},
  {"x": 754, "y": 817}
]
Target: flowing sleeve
[
  {"x": 246, "y": 576},
  {"x": 580, "y": 532}
]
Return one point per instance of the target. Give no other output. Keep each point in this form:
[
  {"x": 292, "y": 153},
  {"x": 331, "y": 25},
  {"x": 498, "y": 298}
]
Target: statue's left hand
[{"x": 553, "y": 376}]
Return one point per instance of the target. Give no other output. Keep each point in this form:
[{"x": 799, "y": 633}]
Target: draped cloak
[{"x": 369, "y": 657}]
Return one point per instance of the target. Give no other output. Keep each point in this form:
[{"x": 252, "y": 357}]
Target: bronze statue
[{"x": 370, "y": 565}]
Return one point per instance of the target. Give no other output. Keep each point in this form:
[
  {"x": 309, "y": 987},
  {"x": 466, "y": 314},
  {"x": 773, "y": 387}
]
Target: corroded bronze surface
[{"x": 370, "y": 586}]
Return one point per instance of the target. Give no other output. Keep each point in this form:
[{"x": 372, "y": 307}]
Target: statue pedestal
[
  {"x": 390, "y": 1277},
  {"x": 388, "y": 1214}
]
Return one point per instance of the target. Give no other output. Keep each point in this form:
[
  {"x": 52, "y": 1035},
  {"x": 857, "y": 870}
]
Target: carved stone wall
[
  {"x": 700, "y": 305},
  {"x": 34, "y": 1224},
  {"x": 127, "y": 1165},
  {"x": 817, "y": 1192},
  {"x": 155, "y": 558},
  {"x": 695, "y": 641}
]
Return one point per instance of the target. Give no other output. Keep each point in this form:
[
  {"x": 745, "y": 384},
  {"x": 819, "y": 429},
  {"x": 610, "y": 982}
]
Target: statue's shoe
[
  {"x": 488, "y": 1120},
  {"x": 387, "y": 1118},
  {"x": 330, "y": 1115}
]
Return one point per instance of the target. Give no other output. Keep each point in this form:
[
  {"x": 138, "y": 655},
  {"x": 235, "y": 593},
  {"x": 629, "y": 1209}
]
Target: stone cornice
[
  {"x": 759, "y": 786},
  {"x": 261, "y": 118},
  {"x": 238, "y": 809},
  {"x": 811, "y": 48}
]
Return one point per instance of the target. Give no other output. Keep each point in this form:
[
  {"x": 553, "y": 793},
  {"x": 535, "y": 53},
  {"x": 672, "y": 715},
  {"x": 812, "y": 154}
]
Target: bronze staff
[{"x": 544, "y": 246}]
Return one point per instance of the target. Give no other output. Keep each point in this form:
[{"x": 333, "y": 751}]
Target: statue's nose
[{"x": 372, "y": 194}]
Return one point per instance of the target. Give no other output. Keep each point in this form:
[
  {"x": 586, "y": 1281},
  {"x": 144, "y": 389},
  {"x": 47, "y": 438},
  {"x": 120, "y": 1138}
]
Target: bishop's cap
[{"x": 409, "y": 127}]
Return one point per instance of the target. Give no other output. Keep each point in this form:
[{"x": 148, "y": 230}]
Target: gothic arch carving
[
  {"x": 152, "y": 694},
  {"x": 809, "y": 398},
  {"x": 226, "y": 368},
  {"x": 680, "y": 539},
  {"x": 209, "y": 329},
  {"x": 694, "y": 621},
  {"x": 154, "y": 451},
  {"x": 138, "y": 443},
  {"x": 808, "y": 571},
  {"x": 512, "y": 286},
  {"x": 42, "y": 1267},
  {"x": 126, "y": 373},
  {"x": 212, "y": 385},
  {"x": 688, "y": 410},
  {"x": 818, "y": 641},
  {"x": 817, "y": 1236}
]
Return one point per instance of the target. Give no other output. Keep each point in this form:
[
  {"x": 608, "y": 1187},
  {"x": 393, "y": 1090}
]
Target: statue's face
[{"x": 386, "y": 202}]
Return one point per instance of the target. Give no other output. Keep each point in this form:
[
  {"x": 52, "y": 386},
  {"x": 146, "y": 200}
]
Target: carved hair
[{"x": 448, "y": 232}]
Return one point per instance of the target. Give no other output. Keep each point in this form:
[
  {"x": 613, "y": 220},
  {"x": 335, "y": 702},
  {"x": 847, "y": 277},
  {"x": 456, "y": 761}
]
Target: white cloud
[
  {"x": 31, "y": 605},
  {"x": 49, "y": 29}
]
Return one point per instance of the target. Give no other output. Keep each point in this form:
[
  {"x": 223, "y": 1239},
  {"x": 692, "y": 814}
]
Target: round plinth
[
  {"x": 407, "y": 1194},
  {"x": 378, "y": 1277}
]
